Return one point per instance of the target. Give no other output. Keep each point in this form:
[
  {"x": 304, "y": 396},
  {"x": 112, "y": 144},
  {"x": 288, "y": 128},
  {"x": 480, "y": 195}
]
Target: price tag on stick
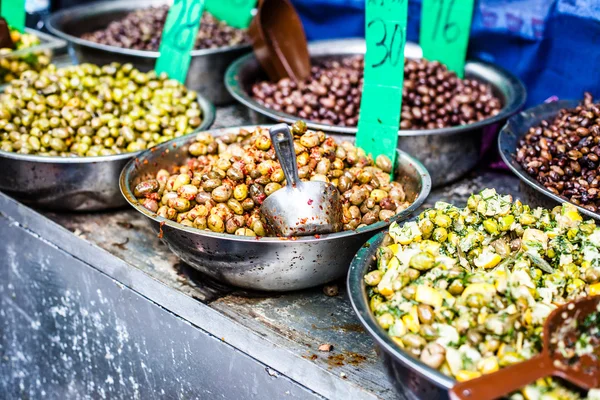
[
  {"x": 236, "y": 13},
  {"x": 445, "y": 28},
  {"x": 384, "y": 74},
  {"x": 178, "y": 38},
  {"x": 14, "y": 13}
]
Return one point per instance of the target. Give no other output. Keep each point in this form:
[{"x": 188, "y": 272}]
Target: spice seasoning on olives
[
  {"x": 475, "y": 297},
  {"x": 433, "y": 97},
  {"x": 87, "y": 110},
  {"x": 563, "y": 154},
  {"x": 142, "y": 30},
  {"x": 11, "y": 67},
  {"x": 231, "y": 175}
]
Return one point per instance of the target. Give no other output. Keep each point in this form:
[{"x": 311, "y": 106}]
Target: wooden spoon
[
  {"x": 279, "y": 41},
  {"x": 556, "y": 359}
]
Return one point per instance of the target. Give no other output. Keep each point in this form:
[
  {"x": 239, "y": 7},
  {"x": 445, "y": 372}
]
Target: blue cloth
[{"x": 552, "y": 45}]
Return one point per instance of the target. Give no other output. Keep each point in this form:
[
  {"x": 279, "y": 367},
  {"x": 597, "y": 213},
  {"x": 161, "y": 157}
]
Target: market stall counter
[{"x": 93, "y": 304}]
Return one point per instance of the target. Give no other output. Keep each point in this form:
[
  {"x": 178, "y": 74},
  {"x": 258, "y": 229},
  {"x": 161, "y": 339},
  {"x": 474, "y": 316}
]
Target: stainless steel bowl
[
  {"x": 447, "y": 153},
  {"x": 534, "y": 193},
  {"x": 269, "y": 263},
  {"x": 411, "y": 378},
  {"x": 206, "y": 69},
  {"x": 72, "y": 183}
]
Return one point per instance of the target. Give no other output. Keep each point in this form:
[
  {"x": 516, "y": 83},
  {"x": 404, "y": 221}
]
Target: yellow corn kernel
[
  {"x": 394, "y": 263},
  {"x": 411, "y": 320},
  {"x": 503, "y": 348},
  {"x": 394, "y": 248},
  {"x": 572, "y": 213},
  {"x": 385, "y": 290},
  {"x": 464, "y": 375},
  {"x": 487, "y": 260},
  {"x": 585, "y": 265},
  {"x": 486, "y": 289},
  {"x": 428, "y": 295},
  {"x": 594, "y": 289},
  {"x": 489, "y": 365},
  {"x": 527, "y": 318},
  {"x": 481, "y": 317},
  {"x": 398, "y": 341}
]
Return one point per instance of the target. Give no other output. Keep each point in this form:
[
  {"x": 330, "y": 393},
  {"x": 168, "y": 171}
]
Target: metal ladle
[
  {"x": 585, "y": 372},
  {"x": 299, "y": 208}
]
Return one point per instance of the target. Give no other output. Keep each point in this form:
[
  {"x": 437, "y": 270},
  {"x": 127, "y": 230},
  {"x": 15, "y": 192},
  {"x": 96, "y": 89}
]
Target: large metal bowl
[
  {"x": 206, "y": 69},
  {"x": 411, "y": 378},
  {"x": 72, "y": 183},
  {"x": 447, "y": 153},
  {"x": 534, "y": 193},
  {"x": 269, "y": 263}
]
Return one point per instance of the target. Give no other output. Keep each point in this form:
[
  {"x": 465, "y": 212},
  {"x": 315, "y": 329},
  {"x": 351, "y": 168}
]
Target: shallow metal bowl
[
  {"x": 269, "y": 263},
  {"x": 534, "y": 193},
  {"x": 72, "y": 183},
  {"x": 411, "y": 378},
  {"x": 206, "y": 69},
  {"x": 447, "y": 153}
]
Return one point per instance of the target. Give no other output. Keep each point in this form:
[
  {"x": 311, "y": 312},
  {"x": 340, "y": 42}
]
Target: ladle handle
[
  {"x": 504, "y": 381},
  {"x": 283, "y": 141}
]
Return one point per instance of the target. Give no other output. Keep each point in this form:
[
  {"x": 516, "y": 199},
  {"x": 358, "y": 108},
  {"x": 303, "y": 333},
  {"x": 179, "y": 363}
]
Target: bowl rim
[
  {"x": 54, "y": 24},
  {"x": 177, "y": 143},
  {"x": 517, "y": 127},
  {"x": 359, "y": 300},
  {"x": 208, "y": 113},
  {"x": 233, "y": 85}
]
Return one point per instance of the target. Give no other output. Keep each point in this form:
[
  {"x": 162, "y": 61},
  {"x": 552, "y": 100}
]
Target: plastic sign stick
[
  {"x": 384, "y": 74},
  {"x": 445, "y": 28},
  {"x": 14, "y": 13},
  {"x": 178, "y": 38},
  {"x": 236, "y": 13}
]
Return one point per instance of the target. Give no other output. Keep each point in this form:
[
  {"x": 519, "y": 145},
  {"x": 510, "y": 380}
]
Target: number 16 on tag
[{"x": 381, "y": 100}]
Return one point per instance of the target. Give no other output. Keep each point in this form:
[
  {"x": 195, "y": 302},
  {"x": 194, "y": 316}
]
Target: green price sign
[
  {"x": 178, "y": 38},
  {"x": 237, "y": 13},
  {"x": 384, "y": 74},
  {"x": 13, "y": 11},
  {"x": 445, "y": 28}
]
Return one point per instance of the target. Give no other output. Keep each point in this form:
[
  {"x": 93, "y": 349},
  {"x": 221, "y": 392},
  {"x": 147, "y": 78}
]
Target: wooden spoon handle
[{"x": 504, "y": 381}]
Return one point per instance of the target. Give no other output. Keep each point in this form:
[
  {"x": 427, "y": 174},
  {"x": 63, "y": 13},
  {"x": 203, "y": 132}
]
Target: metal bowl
[
  {"x": 72, "y": 183},
  {"x": 411, "y": 378},
  {"x": 206, "y": 69},
  {"x": 447, "y": 153},
  {"x": 534, "y": 193},
  {"x": 269, "y": 263}
]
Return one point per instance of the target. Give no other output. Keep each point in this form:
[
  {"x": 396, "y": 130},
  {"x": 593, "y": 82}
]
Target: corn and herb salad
[{"x": 467, "y": 290}]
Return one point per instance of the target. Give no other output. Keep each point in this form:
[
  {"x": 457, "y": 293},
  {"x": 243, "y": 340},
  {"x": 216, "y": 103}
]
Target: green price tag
[
  {"x": 384, "y": 74},
  {"x": 445, "y": 28},
  {"x": 178, "y": 38},
  {"x": 13, "y": 12},
  {"x": 237, "y": 13}
]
